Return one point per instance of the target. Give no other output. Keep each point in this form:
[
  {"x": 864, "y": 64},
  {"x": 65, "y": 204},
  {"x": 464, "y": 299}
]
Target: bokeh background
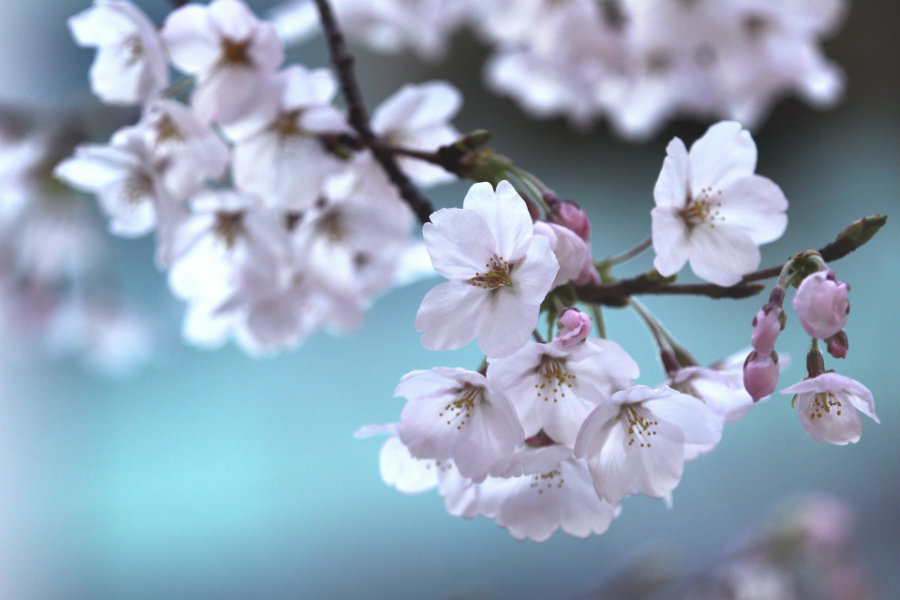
[{"x": 214, "y": 475}]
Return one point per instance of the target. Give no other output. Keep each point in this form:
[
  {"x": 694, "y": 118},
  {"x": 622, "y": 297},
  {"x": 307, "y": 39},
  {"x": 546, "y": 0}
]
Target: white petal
[
  {"x": 757, "y": 205},
  {"x": 192, "y": 43},
  {"x": 724, "y": 153},
  {"x": 670, "y": 240},
  {"x": 451, "y": 315},
  {"x": 722, "y": 254},
  {"x": 672, "y": 185},
  {"x": 506, "y": 216},
  {"x": 459, "y": 243},
  {"x": 414, "y": 107}
]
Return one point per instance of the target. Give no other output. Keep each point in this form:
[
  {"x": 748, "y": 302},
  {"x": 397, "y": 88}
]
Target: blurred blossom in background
[{"x": 135, "y": 466}]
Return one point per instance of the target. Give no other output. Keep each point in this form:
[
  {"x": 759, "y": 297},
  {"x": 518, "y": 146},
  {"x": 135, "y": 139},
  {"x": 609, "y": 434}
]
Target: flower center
[
  {"x": 539, "y": 481},
  {"x": 824, "y": 402},
  {"x": 640, "y": 427},
  {"x": 228, "y": 226},
  {"x": 234, "y": 53},
  {"x": 167, "y": 130},
  {"x": 497, "y": 275},
  {"x": 704, "y": 208},
  {"x": 554, "y": 379},
  {"x": 459, "y": 411},
  {"x": 133, "y": 48},
  {"x": 136, "y": 188}
]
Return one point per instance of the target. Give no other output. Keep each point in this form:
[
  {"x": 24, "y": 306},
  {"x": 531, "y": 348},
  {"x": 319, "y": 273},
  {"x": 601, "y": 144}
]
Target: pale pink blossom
[
  {"x": 712, "y": 210},
  {"x": 574, "y": 326},
  {"x": 635, "y": 442},
  {"x": 821, "y": 303},
  {"x": 499, "y": 273},
  {"x": 570, "y": 250},
  {"x": 459, "y": 415},
  {"x": 130, "y": 66},
  {"x": 828, "y": 405},
  {"x": 229, "y": 50},
  {"x": 570, "y": 215}
]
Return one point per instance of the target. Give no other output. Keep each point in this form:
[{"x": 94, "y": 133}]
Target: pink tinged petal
[
  {"x": 452, "y": 314},
  {"x": 694, "y": 422},
  {"x": 101, "y": 25},
  {"x": 506, "y": 323},
  {"x": 822, "y": 304},
  {"x": 230, "y": 94},
  {"x": 400, "y": 470},
  {"x": 568, "y": 248},
  {"x": 859, "y": 395},
  {"x": 324, "y": 119},
  {"x": 725, "y": 152},
  {"x": 193, "y": 45},
  {"x": 671, "y": 240},
  {"x": 756, "y": 205},
  {"x": 722, "y": 254},
  {"x": 232, "y": 19},
  {"x": 415, "y": 107},
  {"x": 488, "y": 438},
  {"x": 506, "y": 216},
  {"x": 459, "y": 243},
  {"x": 305, "y": 88},
  {"x": 267, "y": 50},
  {"x": 533, "y": 277},
  {"x": 672, "y": 184}
]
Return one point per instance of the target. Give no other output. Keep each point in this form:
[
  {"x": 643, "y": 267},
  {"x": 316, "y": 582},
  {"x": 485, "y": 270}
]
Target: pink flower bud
[
  {"x": 569, "y": 215},
  {"x": 766, "y": 327},
  {"x": 838, "y": 344},
  {"x": 574, "y": 326},
  {"x": 760, "y": 375},
  {"x": 822, "y": 305}
]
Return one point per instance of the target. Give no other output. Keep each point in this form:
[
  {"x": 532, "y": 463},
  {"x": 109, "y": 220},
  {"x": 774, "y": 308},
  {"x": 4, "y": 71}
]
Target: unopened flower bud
[
  {"x": 761, "y": 375},
  {"x": 569, "y": 215},
  {"x": 574, "y": 326},
  {"x": 767, "y": 324},
  {"x": 822, "y": 305},
  {"x": 838, "y": 344}
]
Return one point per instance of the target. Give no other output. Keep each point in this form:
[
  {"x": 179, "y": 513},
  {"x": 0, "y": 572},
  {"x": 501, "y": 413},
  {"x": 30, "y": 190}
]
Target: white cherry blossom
[
  {"x": 400, "y": 469},
  {"x": 229, "y": 50},
  {"x": 554, "y": 387},
  {"x": 827, "y": 405},
  {"x": 712, "y": 210},
  {"x": 544, "y": 489},
  {"x": 459, "y": 415},
  {"x": 499, "y": 273},
  {"x": 418, "y": 117},
  {"x": 283, "y": 161},
  {"x": 130, "y": 66},
  {"x": 635, "y": 442}
]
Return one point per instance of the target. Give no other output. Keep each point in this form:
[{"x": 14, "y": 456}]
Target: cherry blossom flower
[
  {"x": 574, "y": 327},
  {"x": 761, "y": 374},
  {"x": 554, "y": 387},
  {"x": 283, "y": 161},
  {"x": 130, "y": 66},
  {"x": 499, "y": 273},
  {"x": 822, "y": 305},
  {"x": 826, "y": 405},
  {"x": 635, "y": 442},
  {"x": 229, "y": 50},
  {"x": 400, "y": 469},
  {"x": 544, "y": 489},
  {"x": 570, "y": 250},
  {"x": 418, "y": 117},
  {"x": 712, "y": 210},
  {"x": 459, "y": 415}
]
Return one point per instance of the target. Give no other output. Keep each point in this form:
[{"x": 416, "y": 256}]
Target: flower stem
[{"x": 629, "y": 254}]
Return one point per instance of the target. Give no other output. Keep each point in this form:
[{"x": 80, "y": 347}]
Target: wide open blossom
[
  {"x": 712, "y": 210},
  {"x": 229, "y": 50},
  {"x": 459, "y": 415},
  {"x": 499, "y": 273},
  {"x": 554, "y": 387},
  {"x": 543, "y": 489},
  {"x": 635, "y": 442},
  {"x": 826, "y": 405},
  {"x": 130, "y": 65},
  {"x": 282, "y": 160}
]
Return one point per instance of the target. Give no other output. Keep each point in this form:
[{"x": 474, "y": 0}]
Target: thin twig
[
  {"x": 359, "y": 117},
  {"x": 629, "y": 254}
]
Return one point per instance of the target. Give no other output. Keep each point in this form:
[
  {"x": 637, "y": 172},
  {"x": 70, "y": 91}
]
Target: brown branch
[
  {"x": 616, "y": 294},
  {"x": 359, "y": 117}
]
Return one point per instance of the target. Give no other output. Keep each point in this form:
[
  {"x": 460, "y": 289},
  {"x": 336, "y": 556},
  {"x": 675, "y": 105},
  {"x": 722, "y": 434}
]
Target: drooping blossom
[
  {"x": 767, "y": 325},
  {"x": 761, "y": 374},
  {"x": 712, "y": 210},
  {"x": 821, "y": 303},
  {"x": 828, "y": 405},
  {"x": 543, "y": 489},
  {"x": 130, "y": 66},
  {"x": 635, "y": 442},
  {"x": 499, "y": 273},
  {"x": 459, "y": 415},
  {"x": 229, "y": 50},
  {"x": 555, "y": 386}
]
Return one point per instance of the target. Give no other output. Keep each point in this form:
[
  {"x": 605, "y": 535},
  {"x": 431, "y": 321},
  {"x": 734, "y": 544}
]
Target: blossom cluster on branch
[
  {"x": 276, "y": 213},
  {"x": 638, "y": 63}
]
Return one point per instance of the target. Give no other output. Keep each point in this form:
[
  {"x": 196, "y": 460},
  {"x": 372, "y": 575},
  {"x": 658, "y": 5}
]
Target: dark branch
[{"x": 359, "y": 117}]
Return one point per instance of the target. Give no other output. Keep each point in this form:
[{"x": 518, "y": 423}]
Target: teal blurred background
[{"x": 213, "y": 475}]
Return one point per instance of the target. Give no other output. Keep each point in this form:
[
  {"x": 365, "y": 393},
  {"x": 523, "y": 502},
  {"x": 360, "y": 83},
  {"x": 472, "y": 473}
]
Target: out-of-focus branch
[{"x": 359, "y": 117}]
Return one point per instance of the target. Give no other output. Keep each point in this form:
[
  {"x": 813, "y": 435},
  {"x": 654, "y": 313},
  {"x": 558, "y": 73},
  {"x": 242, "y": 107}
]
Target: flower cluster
[
  {"x": 636, "y": 62},
  {"x": 271, "y": 218},
  {"x": 827, "y": 402}
]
